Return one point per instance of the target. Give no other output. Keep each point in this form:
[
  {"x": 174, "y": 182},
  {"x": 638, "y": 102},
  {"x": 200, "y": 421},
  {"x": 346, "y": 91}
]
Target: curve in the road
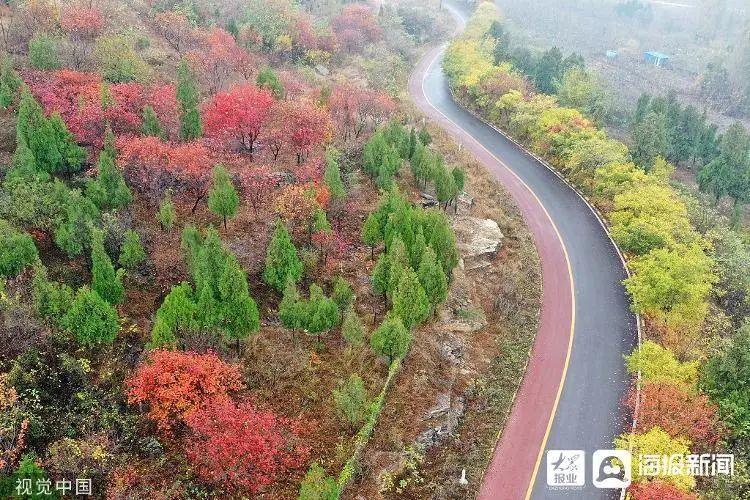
[{"x": 575, "y": 380}]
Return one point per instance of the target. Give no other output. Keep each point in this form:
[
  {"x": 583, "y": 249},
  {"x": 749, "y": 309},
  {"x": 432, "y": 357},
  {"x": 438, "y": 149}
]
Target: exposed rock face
[{"x": 478, "y": 241}]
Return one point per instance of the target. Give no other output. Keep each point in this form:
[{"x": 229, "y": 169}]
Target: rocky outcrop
[{"x": 478, "y": 241}]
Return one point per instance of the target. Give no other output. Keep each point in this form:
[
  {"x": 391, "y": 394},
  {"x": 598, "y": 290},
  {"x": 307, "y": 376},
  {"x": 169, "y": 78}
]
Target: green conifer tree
[
  {"x": 174, "y": 318},
  {"x": 399, "y": 262},
  {"x": 381, "y": 274},
  {"x": 332, "y": 176},
  {"x": 322, "y": 313},
  {"x": 391, "y": 338},
  {"x": 109, "y": 142},
  {"x": 350, "y": 398},
  {"x": 222, "y": 197},
  {"x": 188, "y": 96},
  {"x": 352, "y": 329},
  {"x": 282, "y": 261},
  {"x": 239, "y": 312},
  {"x": 105, "y": 281},
  {"x": 416, "y": 249},
  {"x": 10, "y": 83},
  {"x": 343, "y": 294},
  {"x": 424, "y": 137},
  {"x": 43, "y": 52},
  {"x": 52, "y": 300},
  {"x": 151, "y": 125},
  {"x": 410, "y": 301},
  {"x": 432, "y": 278},
  {"x": 132, "y": 254},
  {"x": 372, "y": 233},
  {"x": 91, "y": 319},
  {"x": 291, "y": 307},
  {"x": 412, "y": 142},
  {"x": 166, "y": 214},
  {"x": 267, "y": 79},
  {"x": 317, "y": 485},
  {"x": 73, "y": 233},
  {"x": 108, "y": 190},
  {"x": 72, "y": 155}
]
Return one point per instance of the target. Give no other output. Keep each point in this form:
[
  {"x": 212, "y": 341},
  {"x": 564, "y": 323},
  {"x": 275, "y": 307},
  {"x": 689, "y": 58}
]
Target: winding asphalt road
[{"x": 570, "y": 398}]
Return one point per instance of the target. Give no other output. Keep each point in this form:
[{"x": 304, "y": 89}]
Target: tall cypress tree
[
  {"x": 410, "y": 301},
  {"x": 73, "y": 234},
  {"x": 321, "y": 312},
  {"x": 432, "y": 278},
  {"x": 151, "y": 125},
  {"x": 10, "y": 83},
  {"x": 104, "y": 279},
  {"x": 282, "y": 261},
  {"x": 222, "y": 197},
  {"x": 131, "y": 254},
  {"x": 239, "y": 312},
  {"x": 332, "y": 175},
  {"x": 291, "y": 308},
  {"x": 108, "y": 190},
  {"x": 188, "y": 96},
  {"x": 371, "y": 233},
  {"x": 352, "y": 329}
]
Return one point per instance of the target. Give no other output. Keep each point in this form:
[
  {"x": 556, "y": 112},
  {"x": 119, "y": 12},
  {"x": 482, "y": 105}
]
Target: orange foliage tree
[
  {"x": 175, "y": 384},
  {"x": 678, "y": 412}
]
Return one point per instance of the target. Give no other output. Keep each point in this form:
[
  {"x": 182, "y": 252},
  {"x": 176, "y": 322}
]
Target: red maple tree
[
  {"x": 176, "y": 384},
  {"x": 151, "y": 166},
  {"x": 678, "y": 413},
  {"x": 305, "y": 125},
  {"x": 242, "y": 449},
  {"x": 238, "y": 115}
]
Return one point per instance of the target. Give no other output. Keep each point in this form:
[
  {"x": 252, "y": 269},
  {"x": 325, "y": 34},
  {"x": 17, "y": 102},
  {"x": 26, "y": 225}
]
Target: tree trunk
[{"x": 195, "y": 205}]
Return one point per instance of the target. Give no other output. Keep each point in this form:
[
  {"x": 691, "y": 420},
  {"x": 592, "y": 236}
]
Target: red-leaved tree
[
  {"x": 175, "y": 384},
  {"x": 658, "y": 490},
  {"x": 77, "y": 97},
  {"x": 238, "y": 115},
  {"x": 217, "y": 57},
  {"x": 83, "y": 25},
  {"x": 355, "y": 26},
  {"x": 241, "y": 449},
  {"x": 354, "y": 109},
  {"x": 678, "y": 413},
  {"x": 151, "y": 166},
  {"x": 306, "y": 125}
]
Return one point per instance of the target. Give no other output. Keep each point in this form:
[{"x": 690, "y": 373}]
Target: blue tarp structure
[{"x": 656, "y": 58}]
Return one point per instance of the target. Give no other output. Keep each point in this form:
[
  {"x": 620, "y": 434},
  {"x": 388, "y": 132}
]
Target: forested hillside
[{"x": 227, "y": 248}]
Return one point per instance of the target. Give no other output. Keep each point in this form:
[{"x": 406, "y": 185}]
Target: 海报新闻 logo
[{"x": 611, "y": 468}]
